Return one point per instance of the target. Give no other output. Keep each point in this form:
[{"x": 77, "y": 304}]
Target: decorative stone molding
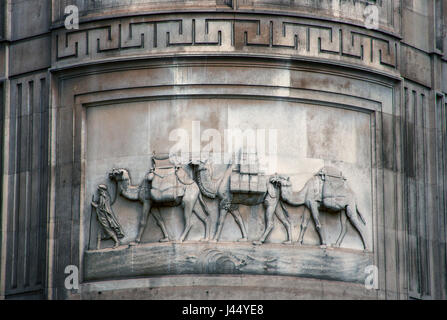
[
  {"x": 203, "y": 258},
  {"x": 349, "y": 11},
  {"x": 291, "y": 38}
]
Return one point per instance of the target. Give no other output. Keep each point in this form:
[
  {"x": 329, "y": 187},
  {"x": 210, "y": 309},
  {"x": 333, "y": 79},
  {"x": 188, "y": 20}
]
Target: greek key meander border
[{"x": 224, "y": 34}]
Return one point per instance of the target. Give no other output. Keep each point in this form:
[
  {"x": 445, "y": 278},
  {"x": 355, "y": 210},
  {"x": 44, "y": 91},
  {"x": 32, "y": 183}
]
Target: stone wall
[{"x": 77, "y": 103}]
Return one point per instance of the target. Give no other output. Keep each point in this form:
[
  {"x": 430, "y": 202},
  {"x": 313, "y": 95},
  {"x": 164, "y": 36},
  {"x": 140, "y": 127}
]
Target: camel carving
[
  {"x": 327, "y": 189},
  {"x": 185, "y": 193},
  {"x": 185, "y": 185},
  {"x": 229, "y": 201}
]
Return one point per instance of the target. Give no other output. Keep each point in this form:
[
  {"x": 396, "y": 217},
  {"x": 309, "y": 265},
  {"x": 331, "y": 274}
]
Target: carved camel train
[
  {"x": 192, "y": 193},
  {"x": 142, "y": 193},
  {"x": 278, "y": 191}
]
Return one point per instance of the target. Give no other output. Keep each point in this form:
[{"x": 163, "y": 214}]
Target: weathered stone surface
[
  {"x": 81, "y": 105},
  {"x": 417, "y": 66},
  {"x": 225, "y": 258},
  {"x": 224, "y": 287},
  {"x": 26, "y": 52},
  {"x": 194, "y": 34}
]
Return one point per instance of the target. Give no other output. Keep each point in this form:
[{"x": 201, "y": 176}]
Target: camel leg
[
  {"x": 344, "y": 229},
  {"x": 315, "y": 215},
  {"x": 189, "y": 201},
  {"x": 351, "y": 213},
  {"x": 238, "y": 218},
  {"x": 270, "y": 210},
  {"x": 188, "y": 206},
  {"x": 205, "y": 217},
  {"x": 303, "y": 227},
  {"x": 187, "y": 209},
  {"x": 143, "y": 221},
  {"x": 285, "y": 221},
  {"x": 161, "y": 224},
  {"x": 222, "y": 215}
]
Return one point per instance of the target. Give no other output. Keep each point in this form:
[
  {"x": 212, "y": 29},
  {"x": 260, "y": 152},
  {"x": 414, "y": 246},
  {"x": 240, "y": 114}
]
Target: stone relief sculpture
[
  {"x": 216, "y": 261},
  {"x": 243, "y": 186},
  {"x": 327, "y": 189},
  {"x": 240, "y": 184},
  {"x": 275, "y": 183},
  {"x": 111, "y": 228},
  {"x": 166, "y": 186}
]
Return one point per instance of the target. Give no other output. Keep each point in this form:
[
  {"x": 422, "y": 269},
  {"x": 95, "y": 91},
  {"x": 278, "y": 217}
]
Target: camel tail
[{"x": 360, "y": 215}]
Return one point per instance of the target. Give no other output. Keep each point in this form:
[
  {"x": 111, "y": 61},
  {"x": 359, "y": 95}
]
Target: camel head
[
  {"x": 280, "y": 181},
  {"x": 284, "y": 184},
  {"x": 200, "y": 165},
  {"x": 119, "y": 174}
]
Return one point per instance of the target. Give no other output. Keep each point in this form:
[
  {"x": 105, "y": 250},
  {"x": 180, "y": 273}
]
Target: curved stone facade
[{"x": 345, "y": 126}]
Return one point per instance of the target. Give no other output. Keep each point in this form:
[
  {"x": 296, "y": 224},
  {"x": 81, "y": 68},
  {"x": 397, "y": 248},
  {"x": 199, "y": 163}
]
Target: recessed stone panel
[{"x": 291, "y": 138}]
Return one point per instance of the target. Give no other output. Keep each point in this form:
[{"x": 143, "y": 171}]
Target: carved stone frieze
[
  {"x": 183, "y": 185},
  {"x": 225, "y": 34}
]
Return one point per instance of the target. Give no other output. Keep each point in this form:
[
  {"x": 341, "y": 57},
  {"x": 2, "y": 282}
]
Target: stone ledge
[
  {"x": 194, "y": 257},
  {"x": 223, "y": 287}
]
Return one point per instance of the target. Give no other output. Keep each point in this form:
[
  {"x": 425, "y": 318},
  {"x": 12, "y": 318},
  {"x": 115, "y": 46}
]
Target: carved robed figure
[{"x": 111, "y": 228}]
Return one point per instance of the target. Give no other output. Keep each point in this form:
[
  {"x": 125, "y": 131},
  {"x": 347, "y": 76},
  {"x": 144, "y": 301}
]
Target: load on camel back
[
  {"x": 335, "y": 190},
  {"x": 246, "y": 176},
  {"x": 166, "y": 179}
]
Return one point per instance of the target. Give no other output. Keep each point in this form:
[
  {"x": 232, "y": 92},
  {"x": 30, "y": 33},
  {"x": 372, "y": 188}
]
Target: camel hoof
[
  {"x": 323, "y": 246},
  {"x": 287, "y": 242},
  {"x": 257, "y": 242},
  {"x": 204, "y": 240},
  {"x": 335, "y": 245},
  {"x": 134, "y": 243},
  {"x": 164, "y": 240},
  {"x": 243, "y": 240}
]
